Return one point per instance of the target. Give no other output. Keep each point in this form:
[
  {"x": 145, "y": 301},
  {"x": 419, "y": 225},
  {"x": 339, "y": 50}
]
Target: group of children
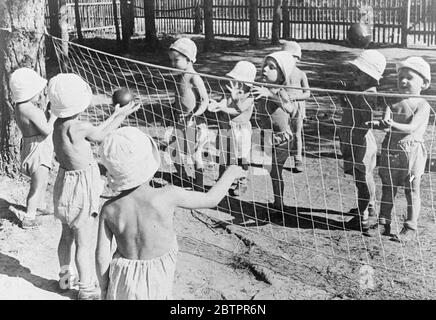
[
  {"x": 403, "y": 153},
  {"x": 141, "y": 262}
]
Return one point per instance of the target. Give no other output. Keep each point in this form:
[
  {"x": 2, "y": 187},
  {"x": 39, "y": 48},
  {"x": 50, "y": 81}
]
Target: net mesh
[{"x": 315, "y": 214}]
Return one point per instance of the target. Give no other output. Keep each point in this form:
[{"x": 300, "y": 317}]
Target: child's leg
[
  {"x": 280, "y": 155},
  {"x": 413, "y": 198},
  {"x": 363, "y": 194},
  {"x": 38, "y": 186},
  {"x": 389, "y": 192},
  {"x": 85, "y": 251},
  {"x": 297, "y": 125},
  {"x": 372, "y": 196},
  {"x": 64, "y": 246}
]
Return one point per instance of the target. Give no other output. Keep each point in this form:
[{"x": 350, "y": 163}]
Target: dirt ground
[{"x": 243, "y": 250}]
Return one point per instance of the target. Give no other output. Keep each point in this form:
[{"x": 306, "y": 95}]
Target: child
[
  {"x": 404, "y": 155},
  {"x": 191, "y": 102},
  {"x": 276, "y": 110},
  {"x": 236, "y": 112},
  {"x": 141, "y": 219},
  {"x": 37, "y": 147},
  {"x": 78, "y": 184},
  {"x": 298, "y": 80},
  {"x": 357, "y": 143}
]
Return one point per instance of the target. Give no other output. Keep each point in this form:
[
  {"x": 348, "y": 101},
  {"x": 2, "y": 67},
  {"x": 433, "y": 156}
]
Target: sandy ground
[{"x": 243, "y": 250}]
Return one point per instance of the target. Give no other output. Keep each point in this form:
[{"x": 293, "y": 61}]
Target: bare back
[
  {"x": 73, "y": 153},
  {"x": 23, "y": 116},
  {"x": 142, "y": 223}
]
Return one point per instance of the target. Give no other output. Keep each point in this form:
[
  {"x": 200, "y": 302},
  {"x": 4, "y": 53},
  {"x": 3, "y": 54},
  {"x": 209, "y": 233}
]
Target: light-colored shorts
[
  {"x": 405, "y": 159},
  {"x": 358, "y": 153},
  {"x": 142, "y": 279},
  {"x": 36, "y": 151},
  {"x": 76, "y": 195},
  {"x": 241, "y": 138}
]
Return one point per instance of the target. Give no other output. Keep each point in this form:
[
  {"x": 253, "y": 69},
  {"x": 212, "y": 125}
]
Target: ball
[
  {"x": 122, "y": 97},
  {"x": 359, "y": 35}
]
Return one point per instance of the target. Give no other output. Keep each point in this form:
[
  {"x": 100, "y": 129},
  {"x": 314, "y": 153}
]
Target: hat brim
[
  {"x": 405, "y": 64},
  {"x": 239, "y": 79},
  {"x": 37, "y": 88},
  {"x": 68, "y": 113},
  {"x": 366, "y": 69},
  {"x": 148, "y": 173}
]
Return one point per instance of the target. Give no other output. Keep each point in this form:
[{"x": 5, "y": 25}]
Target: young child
[
  {"x": 357, "y": 143},
  {"x": 236, "y": 113},
  {"x": 191, "y": 101},
  {"x": 78, "y": 185},
  {"x": 404, "y": 155},
  {"x": 298, "y": 80},
  {"x": 140, "y": 218},
  {"x": 37, "y": 147},
  {"x": 276, "y": 109}
]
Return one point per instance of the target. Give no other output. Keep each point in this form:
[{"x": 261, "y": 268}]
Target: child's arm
[
  {"x": 305, "y": 87},
  {"x": 197, "y": 200},
  {"x": 103, "y": 254},
  {"x": 281, "y": 97},
  {"x": 204, "y": 97},
  {"x": 419, "y": 118},
  {"x": 96, "y": 134},
  {"x": 37, "y": 117}
]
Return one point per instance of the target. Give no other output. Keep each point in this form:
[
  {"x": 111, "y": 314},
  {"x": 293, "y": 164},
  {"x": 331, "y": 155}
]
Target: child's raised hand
[
  {"x": 213, "y": 106},
  {"x": 236, "y": 172},
  {"x": 127, "y": 109},
  {"x": 261, "y": 92},
  {"x": 236, "y": 91}
]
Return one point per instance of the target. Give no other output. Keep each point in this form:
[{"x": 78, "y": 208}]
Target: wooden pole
[
  {"x": 405, "y": 22},
  {"x": 254, "y": 29}
]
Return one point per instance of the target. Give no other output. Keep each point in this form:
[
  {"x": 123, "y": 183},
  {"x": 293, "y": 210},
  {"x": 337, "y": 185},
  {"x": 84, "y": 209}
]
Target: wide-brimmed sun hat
[
  {"x": 130, "y": 156},
  {"x": 25, "y": 83},
  {"x": 69, "y": 95},
  {"x": 371, "y": 62},
  {"x": 293, "y": 47},
  {"x": 187, "y": 47},
  {"x": 243, "y": 71},
  {"x": 418, "y": 65}
]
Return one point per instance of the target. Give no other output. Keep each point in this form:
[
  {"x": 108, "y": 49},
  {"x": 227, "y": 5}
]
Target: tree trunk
[
  {"x": 21, "y": 45},
  {"x": 55, "y": 28},
  {"x": 254, "y": 31},
  {"x": 126, "y": 22},
  {"x": 286, "y": 20},
  {"x": 275, "y": 38},
  {"x": 78, "y": 21},
  {"x": 117, "y": 26},
  {"x": 208, "y": 24},
  {"x": 150, "y": 24},
  {"x": 198, "y": 23}
]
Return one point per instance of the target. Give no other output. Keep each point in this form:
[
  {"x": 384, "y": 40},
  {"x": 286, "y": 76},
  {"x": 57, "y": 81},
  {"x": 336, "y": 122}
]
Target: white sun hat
[
  {"x": 371, "y": 62},
  {"x": 243, "y": 71},
  {"x": 69, "y": 95},
  {"x": 130, "y": 156},
  {"x": 293, "y": 47},
  {"x": 25, "y": 83},
  {"x": 187, "y": 47},
  {"x": 418, "y": 65}
]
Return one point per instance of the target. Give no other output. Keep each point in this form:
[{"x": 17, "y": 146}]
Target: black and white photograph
[{"x": 226, "y": 152}]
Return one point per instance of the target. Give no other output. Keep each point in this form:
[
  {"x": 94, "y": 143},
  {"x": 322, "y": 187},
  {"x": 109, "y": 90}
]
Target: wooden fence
[{"x": 407, "y": 22}]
